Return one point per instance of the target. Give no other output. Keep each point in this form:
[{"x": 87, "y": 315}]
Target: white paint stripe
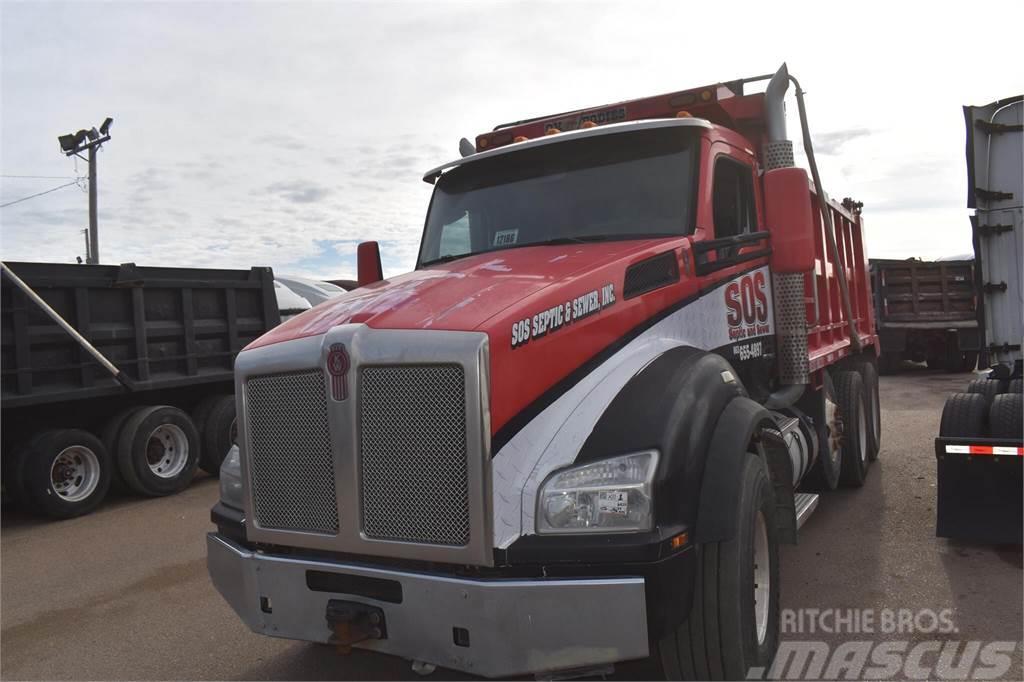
[
  {"x": 958, "y": 449},
  {"x": 1004, "y": 450},
  {"x": 553, "y": 438}
]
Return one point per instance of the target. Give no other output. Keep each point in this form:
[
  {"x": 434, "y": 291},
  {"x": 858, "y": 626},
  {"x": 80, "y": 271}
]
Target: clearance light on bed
[{"x": 610, "y": 496}]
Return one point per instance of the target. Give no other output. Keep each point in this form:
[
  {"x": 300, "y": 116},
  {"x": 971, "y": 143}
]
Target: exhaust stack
[
  {"x": 790, "y": 311},
  {"x": 778, "y": 150}
]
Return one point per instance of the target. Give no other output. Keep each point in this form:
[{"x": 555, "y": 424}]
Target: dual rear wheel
[{"x": 150, "y": 451}]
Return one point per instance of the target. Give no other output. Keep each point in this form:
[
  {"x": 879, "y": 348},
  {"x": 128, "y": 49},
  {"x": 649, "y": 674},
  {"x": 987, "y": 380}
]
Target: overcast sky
[{"x": 284, "y": 134}]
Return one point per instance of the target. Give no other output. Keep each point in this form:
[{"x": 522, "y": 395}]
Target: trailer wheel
[
  {"x": 889, "y": 363},
  {"x": 733, "y": 625},
  {"x": 987, "y": 388},
  {"x": 219, "y": 433},
  {"x": 970, "y": 361},
  {"x": 824, "y": 473},
  {"x": 158, "y": 451},
  {"x": 14, "y": 477},
  {"x": 110, "y": 433},
  {"x": 67, "y": 472},
  {"x": 1015, "y": 386},
  {"x": 1005, "y": 416},
  {"x": 869, "y": 376},
  {"x": 853, "y": 413},
  {"x": 963, "y": 416}
]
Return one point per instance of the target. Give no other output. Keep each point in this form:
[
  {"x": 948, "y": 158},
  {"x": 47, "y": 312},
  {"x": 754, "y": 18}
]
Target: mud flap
[{"x": 979, "y": 492}]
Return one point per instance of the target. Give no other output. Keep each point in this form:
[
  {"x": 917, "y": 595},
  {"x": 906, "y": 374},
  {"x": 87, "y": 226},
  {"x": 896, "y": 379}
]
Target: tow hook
[{"x": 351, "y": 623}]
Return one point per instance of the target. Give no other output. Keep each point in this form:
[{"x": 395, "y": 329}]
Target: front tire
[{"x": 733, "y": 624}]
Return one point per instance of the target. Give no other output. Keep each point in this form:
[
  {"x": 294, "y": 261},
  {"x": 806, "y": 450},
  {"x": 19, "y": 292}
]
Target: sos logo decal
[{"x": 746, "y": 303}]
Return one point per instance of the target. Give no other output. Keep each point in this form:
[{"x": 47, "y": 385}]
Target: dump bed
[
  {"x": 163, "y": 328},
  {"x": 915, "y": 294},
  {"x": 995, "y": 157}
]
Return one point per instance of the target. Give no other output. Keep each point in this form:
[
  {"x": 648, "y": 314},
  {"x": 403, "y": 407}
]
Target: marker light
[
  {"x": 588, "y": 124},
  {"x": 684, "y": 114},
  {"x": 552, "y": 131},
  {"x": 706, "y": 95},
  {"x": 610, "y": 496},
  {"x": 521, "y": 138}
]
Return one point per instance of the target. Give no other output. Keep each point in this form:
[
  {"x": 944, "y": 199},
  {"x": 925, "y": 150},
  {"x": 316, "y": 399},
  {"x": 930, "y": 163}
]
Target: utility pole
[
  {"x": 73, "y": 145},
  {"x": 94, "y": 231}
]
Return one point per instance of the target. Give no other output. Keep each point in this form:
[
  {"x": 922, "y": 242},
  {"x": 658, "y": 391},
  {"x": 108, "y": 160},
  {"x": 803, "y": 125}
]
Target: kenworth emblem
[{"x": 337, "y": 367}]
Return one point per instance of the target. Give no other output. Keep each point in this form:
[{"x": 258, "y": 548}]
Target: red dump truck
[{"x": 636, "y": 339}]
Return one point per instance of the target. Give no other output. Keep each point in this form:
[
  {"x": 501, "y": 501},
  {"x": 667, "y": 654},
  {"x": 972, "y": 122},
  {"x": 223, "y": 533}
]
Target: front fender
[{"x": 672, "y": 405}]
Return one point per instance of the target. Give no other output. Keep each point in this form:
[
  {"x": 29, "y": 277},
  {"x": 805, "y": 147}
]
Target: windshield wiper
[{"x": 447, "y": 259}]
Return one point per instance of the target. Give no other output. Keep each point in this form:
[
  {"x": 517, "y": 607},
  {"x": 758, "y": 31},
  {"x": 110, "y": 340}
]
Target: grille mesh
[
  {"x": 292, "y": 467},
  {"x": 413, "y": 460}
]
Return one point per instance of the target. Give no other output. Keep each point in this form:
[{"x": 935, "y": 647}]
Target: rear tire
[
  {"x": 109, "y": 435},
  {"x": 855, "y": 440},
  {"x": 158, "y": 451},
  {"x": 1006, "y": 416},
  {"x": 987, "y": 388},
  {"x": 824, "y": 473},
  {"x": 963, "y": 416},
  {"x": 733, "y": 625},
  {"x": 14, "y": 478},
  {"x": 66, "y": 472},
  {"x": 869, "y": 376},
  {"x": 219, "y": 432},
  {"x": 889, "y": 363},
  {"x": 1015, "y": 386}
]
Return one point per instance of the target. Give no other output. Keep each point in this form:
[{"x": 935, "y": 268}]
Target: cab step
[{"x": 805, "y": 504}]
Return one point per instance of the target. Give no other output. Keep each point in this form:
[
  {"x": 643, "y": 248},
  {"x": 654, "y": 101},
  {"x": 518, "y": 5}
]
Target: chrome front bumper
[{"x": 515, "y": 626}]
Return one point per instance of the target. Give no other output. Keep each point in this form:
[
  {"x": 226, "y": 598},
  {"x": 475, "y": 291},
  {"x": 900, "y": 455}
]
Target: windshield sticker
[
  {"x": 562, "y": 315},
  {"x": 506, "y": 237}
]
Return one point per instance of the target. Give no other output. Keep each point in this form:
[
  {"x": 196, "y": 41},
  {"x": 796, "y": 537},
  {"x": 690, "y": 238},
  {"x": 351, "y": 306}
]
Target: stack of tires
[
  {"x": 990, "y": 408},
  {"x": 147, "y": 450}
]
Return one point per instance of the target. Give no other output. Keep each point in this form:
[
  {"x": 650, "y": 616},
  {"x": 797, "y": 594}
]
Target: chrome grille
[
  {"x": 290, "y": 460},
  {"x": 414, "y": 480}
]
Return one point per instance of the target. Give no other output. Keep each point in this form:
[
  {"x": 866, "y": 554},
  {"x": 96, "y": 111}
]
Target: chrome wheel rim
[
  {"x": 167, "y": 451},
  {"x": 75, "y": 473},
  {"x": 762, "y": 577}
]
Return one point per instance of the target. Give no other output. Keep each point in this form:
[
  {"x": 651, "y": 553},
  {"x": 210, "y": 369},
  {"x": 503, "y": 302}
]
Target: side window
[
  {"x": 455, "y": 239},
  {"x": 734, "y": 210}
]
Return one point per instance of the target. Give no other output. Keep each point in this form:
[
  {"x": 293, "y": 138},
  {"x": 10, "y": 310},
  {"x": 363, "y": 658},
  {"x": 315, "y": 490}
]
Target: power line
[
  {"x": 33, "y": 196},
  {"x": 38, "y": 177}
]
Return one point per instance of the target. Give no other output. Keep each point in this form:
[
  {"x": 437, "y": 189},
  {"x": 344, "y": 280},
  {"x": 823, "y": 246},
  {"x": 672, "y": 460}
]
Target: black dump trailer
[
  {"x": 926, "y": 311},
  {"x": 120, "y": 376}
]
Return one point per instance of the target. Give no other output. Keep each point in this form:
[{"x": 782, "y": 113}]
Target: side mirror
[
  {"x": 789, "y": 215},
  {"x": 368, "y": 263}
]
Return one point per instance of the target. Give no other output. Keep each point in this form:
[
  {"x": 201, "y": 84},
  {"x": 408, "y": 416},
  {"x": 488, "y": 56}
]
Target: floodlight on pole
[{"x": 73, "y": 145}]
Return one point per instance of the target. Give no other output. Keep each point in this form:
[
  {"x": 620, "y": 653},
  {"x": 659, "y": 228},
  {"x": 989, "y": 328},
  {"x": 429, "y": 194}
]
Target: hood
[{"x": 457, "y": 296}]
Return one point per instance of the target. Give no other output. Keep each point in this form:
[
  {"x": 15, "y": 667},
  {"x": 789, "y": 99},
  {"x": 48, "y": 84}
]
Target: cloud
[
  {"x": 299, "y": 192},
  {"x": 833, "y": 142}
]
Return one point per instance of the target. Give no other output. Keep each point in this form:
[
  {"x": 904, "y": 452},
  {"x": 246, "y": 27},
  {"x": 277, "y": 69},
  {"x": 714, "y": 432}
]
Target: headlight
[
  {"x": 610, "y": 496},
  {"x": 231, "y": 479}
]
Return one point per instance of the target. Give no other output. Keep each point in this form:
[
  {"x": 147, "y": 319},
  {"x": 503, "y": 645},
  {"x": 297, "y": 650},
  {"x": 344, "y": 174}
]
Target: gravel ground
[{"x": 124, "y": 594}]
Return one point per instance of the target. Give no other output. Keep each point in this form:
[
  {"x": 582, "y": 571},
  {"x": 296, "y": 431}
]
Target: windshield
[{"x": 617, "y": 186}]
